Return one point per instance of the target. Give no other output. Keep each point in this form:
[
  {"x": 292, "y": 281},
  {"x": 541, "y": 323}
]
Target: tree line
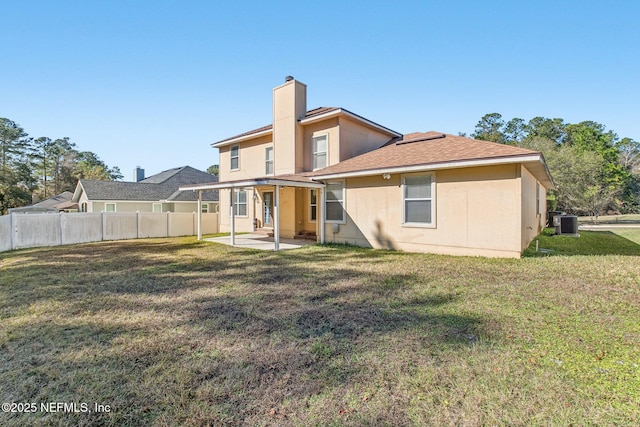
[
  {"x": 34, "y": 169},
  {"x": 594, "y": 170}
]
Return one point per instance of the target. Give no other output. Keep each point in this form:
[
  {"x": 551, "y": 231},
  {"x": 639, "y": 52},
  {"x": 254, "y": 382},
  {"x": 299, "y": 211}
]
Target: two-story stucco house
[{"x": 333, "y": 174}]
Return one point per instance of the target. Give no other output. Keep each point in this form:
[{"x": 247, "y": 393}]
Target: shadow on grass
[
  {"x": 143, "y": 325},
  {"x": 601, "y": 242}
]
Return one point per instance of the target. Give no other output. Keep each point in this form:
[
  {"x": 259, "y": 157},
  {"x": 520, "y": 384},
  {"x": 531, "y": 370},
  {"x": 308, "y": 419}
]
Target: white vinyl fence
[{"x": 19, "y": 230}]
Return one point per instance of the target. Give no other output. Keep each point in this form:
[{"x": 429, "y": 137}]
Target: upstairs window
[
  {"x": 319, "y": 148},
  {"x": 268, "y": 160},
  {"x": 235, "y": 157},
  {"x": 419, "y": 207}
]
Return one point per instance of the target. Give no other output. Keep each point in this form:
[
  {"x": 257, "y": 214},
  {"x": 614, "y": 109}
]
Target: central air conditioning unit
[{"x": 566, "y": 225}]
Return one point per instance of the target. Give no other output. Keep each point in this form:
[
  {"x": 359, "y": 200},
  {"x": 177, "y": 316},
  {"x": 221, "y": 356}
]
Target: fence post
[
  {"x": 11, "y": 231},
  {"x": 61, "y": 232}
]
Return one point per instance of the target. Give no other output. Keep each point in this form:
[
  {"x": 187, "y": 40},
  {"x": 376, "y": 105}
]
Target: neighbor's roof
[
  {"x": 55, "y": 200},
  {"x": 162, "y": 186},
  {"x": 310, "y": 116},
  {"x": 435, "y": 150}
]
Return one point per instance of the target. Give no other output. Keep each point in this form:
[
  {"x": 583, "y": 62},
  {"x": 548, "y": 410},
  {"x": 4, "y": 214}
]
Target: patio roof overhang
[{"x": 295, "y": 181}]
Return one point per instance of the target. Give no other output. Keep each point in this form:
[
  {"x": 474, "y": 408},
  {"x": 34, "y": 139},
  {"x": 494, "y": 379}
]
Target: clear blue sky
[{"x": 154, "y": 83}]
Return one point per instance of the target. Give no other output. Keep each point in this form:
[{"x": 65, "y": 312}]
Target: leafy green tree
[
  {"x": 489, "y": 128},
  {"x": 553, "y": 129},
  {"x": 213, "y": 170},
  {"x": 580, "y": 180},
  {"x": 13, "y": 142},
  {"x": 16, "y": 181},
  {"x": 42, "y": 148},
  {"x": 629, "y": 152},
  {"x": 89, "y": 166},
  {"x": 515, "y": 131}
]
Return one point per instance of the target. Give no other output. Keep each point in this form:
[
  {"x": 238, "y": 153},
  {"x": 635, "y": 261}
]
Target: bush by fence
[{"x": 18, "y": 231}]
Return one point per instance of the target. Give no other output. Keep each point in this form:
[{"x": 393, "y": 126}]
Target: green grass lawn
[{"x": 178, "y": 332}]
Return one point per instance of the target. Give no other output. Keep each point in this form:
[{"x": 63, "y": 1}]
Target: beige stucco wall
[
  {"x": 122, "y": 206},
  {"x": 252, "y": 159},
  {"x": 357, "y": 138},
  {"x": 289, "y": 105},
  {"x": 477, "y": 213},
  {"x": 532, "y": 222},
  {"x": 329, "y": 127}
]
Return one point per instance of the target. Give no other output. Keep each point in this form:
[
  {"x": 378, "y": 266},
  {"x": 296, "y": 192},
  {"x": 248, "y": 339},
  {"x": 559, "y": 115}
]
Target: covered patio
[
  {"x": 260, "y": 241},
  {"x": 277, "y": 183}
]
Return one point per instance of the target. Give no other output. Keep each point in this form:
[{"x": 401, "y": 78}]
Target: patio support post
[
  {"x": 276, "y": 219},
  {"x": 320, "y": 215},
  {"x": 232, "y": 218},
  {"x": 200, "y": 215}
]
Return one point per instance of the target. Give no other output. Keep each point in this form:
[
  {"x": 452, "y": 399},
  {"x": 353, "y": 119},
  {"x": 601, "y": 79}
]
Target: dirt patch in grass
[{"x": 178, "y": 332}]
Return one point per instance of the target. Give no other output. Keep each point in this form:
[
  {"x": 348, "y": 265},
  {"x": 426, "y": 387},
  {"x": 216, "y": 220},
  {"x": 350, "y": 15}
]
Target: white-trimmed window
[
  {"x": 313, "y": 205},
  {"x": 240, "y": 202},
  {"x": 109, "y": 207},
  {"x": 84, "y": 207},
  {"x": 204, "y": 208},
  {"x": 537, "y": 198},
  {"x": 157, "y": 207},
  {"x": 235, "y": 157},
  {"x": 334, "y": 203},
  {"x": 319, "y": 148},
  {"x": 268, "y": 161},
  {"x": 418, "y": 199}
]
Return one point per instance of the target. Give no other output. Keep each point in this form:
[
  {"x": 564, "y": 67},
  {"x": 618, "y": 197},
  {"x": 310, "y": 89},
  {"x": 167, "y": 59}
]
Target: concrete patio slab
[{"x": 260, "y": 241}]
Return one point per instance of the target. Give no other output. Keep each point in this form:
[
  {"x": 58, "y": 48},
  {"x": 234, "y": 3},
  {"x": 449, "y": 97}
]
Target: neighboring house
[
  {"x": 157, "y": 193},
  {"x": 58, "y": 203},
  {"x": 334, "y": 174}
]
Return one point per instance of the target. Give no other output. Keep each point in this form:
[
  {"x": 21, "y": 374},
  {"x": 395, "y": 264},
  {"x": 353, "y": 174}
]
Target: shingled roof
[
  {"x": 428, "y": 150},
  {"x": 162, "y": 186}
]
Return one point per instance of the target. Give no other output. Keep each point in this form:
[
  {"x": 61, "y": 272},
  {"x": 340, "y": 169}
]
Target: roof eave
[
  {"x": 342, "y": 111},
  {"x": 443, "y": 165},
  {"x": 243, "y": 138}
]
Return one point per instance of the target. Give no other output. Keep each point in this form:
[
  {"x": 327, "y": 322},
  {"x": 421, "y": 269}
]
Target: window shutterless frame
[
  {"x": 320, "y": 151},
  {"x": 234, "y": 153},
  {"x": 268, "y": 161},
  {"x": 313, "y": 205},
  {"x": 240, "y": 203},
  {"x": 334, "y": 202},
  {"x": 419, "y": 200}
]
